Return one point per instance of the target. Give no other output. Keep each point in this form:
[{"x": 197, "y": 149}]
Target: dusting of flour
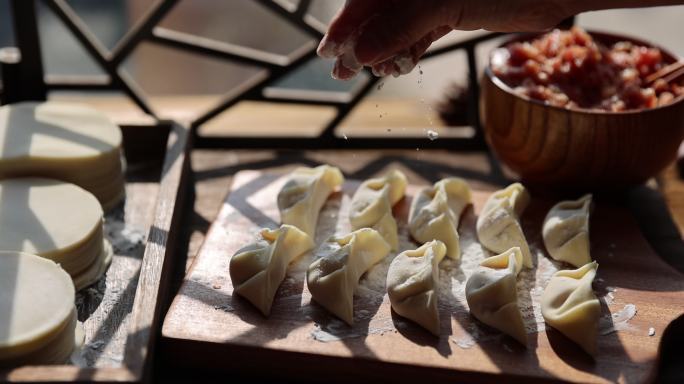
[{"x": 371, "y": 304}]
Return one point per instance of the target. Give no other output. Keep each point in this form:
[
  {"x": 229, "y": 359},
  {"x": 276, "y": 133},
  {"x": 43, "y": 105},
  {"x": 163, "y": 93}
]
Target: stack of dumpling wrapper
[
  {"x": 58, "y": 221},
  {"x": 38, "y": 322},
  {"x": 68, "y": 142}
]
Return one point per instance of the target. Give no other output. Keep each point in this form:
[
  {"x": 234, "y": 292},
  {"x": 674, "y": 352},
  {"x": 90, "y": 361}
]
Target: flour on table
[
  {"x": 475, "y": 334},
  {"x": 609, "y": 298},
  {"x": 531, "y": 283},
  {"x": 370, "y": 295},
  {"x": 617, "y": 321}
]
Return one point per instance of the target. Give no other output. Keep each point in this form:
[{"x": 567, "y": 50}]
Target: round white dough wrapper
[
  {"x": 95, "y": 271},
  {"x": 36, "y": 304},
  {"x": 55, "y": 130},
  {"x": 64, "y": 141},
  {"x": 46, "y": 217},
  {"x": 55, "y": 220}
]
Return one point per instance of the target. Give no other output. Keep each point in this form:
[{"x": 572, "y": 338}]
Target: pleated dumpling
[
  {"x": 304, "y": 194},
  {"x": 436, "y": 211},
  {"x": 492, "y": 294},
  {"x": 333, "y": 277},
  {"x": 569, "y": 305},
  {"x": 371, "y": 206},
  {"x": 498, "y": 226},
  {"x": 258, "y": 269},
  {"x": 566, "y": 231},
  {"x": 412, "y": 284}
]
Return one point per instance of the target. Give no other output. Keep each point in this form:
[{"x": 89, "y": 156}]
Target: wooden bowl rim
[{"x": 600, "y": 35}]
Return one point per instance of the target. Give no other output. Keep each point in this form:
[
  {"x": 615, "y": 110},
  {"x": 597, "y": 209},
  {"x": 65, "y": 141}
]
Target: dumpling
[
  {"x": 566, "y": 231},
  {"x": 436, "y": 211},
  {"x": 492, "y": 294},
  {"x": 371, "y": 206},
  {"x": 504, "y": 261},
  {"x": 498, "y": 226},
  {"x": 570, "y": 305},
  {"x": 332, "y": 278},
  {"x": 304, "y": 194},
  {"x": 258, "y": 269},
  {"x": 412, "y": 283}
]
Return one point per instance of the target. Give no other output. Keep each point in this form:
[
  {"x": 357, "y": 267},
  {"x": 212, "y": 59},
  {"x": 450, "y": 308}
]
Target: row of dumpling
[
  {"x": 258, "y": 269},
  {"x": 568, "y": 302}
]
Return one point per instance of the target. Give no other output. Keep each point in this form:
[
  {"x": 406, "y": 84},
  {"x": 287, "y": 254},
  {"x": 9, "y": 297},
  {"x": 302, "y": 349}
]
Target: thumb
[{"x": 397, "y": 30}]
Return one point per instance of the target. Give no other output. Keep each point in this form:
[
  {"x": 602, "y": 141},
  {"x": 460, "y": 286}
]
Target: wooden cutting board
[{"x": 207, "y": 326}]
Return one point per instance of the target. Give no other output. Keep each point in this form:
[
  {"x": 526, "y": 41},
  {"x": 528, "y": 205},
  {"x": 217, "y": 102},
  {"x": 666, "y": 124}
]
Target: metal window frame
[{"x": 25, "y": 79}]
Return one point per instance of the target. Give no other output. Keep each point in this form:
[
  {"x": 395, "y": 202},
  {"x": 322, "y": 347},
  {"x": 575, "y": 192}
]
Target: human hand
[{"x": 390, "y": 36}]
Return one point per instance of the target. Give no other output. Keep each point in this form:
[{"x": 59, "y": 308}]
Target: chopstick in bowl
[{"x": 668, "y": 73}]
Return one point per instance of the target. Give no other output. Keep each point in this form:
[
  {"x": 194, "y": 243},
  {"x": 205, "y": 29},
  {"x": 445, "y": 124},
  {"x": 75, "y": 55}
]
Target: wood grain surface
[{"x": 207, "y": 326}]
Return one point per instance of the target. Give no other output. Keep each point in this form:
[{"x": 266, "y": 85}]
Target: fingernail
[
  {"x": 342, "y": 72},
  {"x": 404, "y": 63},
  {"x": 327, "y": 48},
  {"x": 383, "y": 69},
  {"x": 348, "y": 64}
]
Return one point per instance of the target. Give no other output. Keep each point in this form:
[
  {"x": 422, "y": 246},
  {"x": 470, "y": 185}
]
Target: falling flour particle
[
  {"x": 432, "y": 135},
  {"x": 617, "y": 321},
  {"x": 345, "y": 136},
  {"x": 428, "y": 110},
  {"x": 651, "y": 331}
]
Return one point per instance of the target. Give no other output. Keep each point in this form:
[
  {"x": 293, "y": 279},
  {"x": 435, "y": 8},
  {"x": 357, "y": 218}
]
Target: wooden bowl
[{"x": 581, "y": 149}]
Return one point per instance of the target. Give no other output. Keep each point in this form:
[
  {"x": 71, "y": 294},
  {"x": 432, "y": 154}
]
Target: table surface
[
  {"x": 663, "y": 217},
  {"x": 377, "y": 338}
]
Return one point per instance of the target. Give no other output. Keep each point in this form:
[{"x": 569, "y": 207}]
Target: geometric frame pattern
[{"x": 31, "y": 83}]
